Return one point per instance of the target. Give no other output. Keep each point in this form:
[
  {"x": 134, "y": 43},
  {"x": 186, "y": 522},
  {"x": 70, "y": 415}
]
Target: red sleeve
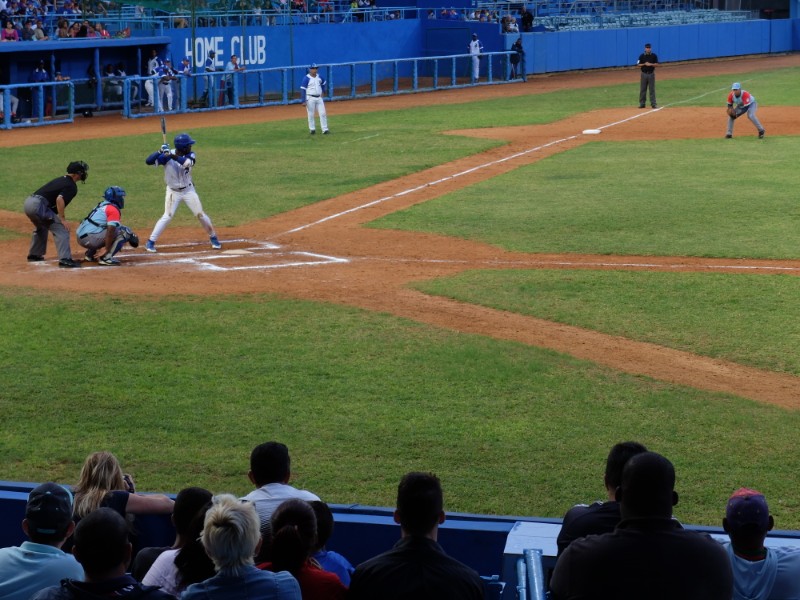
[
  {"x": 730, "y": 98},
  {"x": 112, "y": 213}
]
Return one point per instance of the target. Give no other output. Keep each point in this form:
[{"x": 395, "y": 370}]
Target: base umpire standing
[
  {"x": 45, "y": 208},
  {"x": 648, "y": 62}
]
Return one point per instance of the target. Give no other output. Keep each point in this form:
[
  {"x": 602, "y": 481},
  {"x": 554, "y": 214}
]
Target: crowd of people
[
  {"x": 271, "y": 544},
  {"x": 42, "y": 20}
]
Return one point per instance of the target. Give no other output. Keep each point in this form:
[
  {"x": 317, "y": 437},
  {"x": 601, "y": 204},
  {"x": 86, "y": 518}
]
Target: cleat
[
  {"x": 641, "y": 106},
  {"x": 35, "y": 258},
  {"x": 312, "y": 132},
  {"x": 68, "y": 263},
  {"x": 654, "y": 106},
  {"x": 761, "y": 134},
  {"x": 109, "y": 261},
  {"x": 150, "y": 246},
  {"x": 326, "y": 132},
  {"x": 215, "y": 243},
  {"x": 89, "y": 256},
  {"x": 728, "y": 136}
]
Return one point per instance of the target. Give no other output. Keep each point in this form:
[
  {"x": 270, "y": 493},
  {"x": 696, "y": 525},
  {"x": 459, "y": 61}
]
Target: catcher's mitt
[
  {"x": 732, "y": 112},
  {"x": 134, "y": 240}
]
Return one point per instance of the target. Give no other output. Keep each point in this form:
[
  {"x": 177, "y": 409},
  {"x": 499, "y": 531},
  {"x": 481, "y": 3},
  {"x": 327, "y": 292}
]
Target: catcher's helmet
[
  {"x": 115, "y": 195},
  {"x": 183, "y": 141},
  {"x": 79, "y": 167}
]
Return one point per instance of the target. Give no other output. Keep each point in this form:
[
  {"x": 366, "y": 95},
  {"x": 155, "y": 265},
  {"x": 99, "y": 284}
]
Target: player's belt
[
  {"x": 313, "y": 96},
  {"x": 180, "y": 189}
]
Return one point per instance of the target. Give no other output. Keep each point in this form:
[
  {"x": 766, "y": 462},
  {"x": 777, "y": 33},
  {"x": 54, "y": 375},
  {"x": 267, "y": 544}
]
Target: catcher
[
  {"x": 102, "y": 229},
  {"x": 742, "y": 102}
]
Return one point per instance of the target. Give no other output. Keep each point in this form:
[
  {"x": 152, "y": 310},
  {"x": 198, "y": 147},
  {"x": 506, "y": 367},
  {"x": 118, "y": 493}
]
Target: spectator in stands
[
  {"x": 416, "y": 567},
  {"x": 431, "y": 14},
  {"x": 40, "y": 562},
  {"x": 649, "y": 554},
  {"x": 9, "y": 33},
  {"x": 526, "y": 19},
  {"x": 294, "y": 533},
  {"x": 270, "y": 471},
  {"x": 601, "y": 516},
  {"x": 231, "y": 538},
  {"x": 75, "y": 30},
  {"x": 759, "y": 573},
  {"x": 28, "y": 34},
  {"x": 328, "y": 559},
  {"x": 177, "y": 568},
  {"x": 103, "y": 484},
  {"x": 188, "y": 503},
  {"x": 231, "y": 68},
  {"x": 103, "y": 549},
  {"x": 102, "y": 32},
  {"x": 63, "y": 30},
  {"x": 40, "y": 33}
]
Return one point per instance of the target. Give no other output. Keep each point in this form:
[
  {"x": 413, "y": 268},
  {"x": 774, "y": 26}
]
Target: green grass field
[{"x": 182, "y": 388}]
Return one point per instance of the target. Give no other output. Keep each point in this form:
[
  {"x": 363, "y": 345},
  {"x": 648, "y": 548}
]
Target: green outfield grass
[{"x": 183, "y": 388}]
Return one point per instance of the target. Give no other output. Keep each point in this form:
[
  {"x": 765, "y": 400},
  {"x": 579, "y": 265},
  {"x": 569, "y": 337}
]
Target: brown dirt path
[{"x": 320, "y": 252}]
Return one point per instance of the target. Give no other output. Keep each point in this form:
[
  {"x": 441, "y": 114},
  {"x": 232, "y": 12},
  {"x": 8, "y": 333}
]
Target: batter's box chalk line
[{"x": 257, "y": 254}]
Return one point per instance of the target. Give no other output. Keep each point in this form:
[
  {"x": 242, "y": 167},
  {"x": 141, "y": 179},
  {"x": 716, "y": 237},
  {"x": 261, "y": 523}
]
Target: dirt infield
[{"x": 321, "y": 253}]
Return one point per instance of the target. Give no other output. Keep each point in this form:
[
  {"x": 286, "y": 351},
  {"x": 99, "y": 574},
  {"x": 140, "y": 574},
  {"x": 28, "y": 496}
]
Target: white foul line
[{"x": 456, "y": 175}]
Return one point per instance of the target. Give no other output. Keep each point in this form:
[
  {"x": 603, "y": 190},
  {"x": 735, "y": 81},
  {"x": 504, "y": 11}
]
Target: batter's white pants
[
  {"x": 172, "y": 201},
  {"x": 316, "y": 104}
]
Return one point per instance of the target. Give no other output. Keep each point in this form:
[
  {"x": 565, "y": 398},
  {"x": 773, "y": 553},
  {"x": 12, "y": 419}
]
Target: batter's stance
[
  {"x": 178, "y": 175},
  {"x": 311, "y": 92}
]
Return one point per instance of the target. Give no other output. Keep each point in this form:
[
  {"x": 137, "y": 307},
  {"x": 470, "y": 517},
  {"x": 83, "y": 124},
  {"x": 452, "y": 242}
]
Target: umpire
[
  {"x": 648, "y": 62},
  {"x": 45, "y": 208}
]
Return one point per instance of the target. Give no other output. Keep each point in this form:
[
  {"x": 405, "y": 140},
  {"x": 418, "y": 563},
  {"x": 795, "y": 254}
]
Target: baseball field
[{"x": 459, "y": 281}]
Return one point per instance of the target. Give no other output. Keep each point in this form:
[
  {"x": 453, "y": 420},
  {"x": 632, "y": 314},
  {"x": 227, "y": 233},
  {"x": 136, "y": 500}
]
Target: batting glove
[{"x": 165, "y": 149}]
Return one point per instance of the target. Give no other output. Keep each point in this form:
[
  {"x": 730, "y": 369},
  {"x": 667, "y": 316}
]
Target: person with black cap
[
  {"x": 759, "y": 573},
  {"x": 648, "y": 61},
  {"x": 475, "y": 49},
  {"x": 45, "y": 209},
  {"x": 40, "y": 562}
]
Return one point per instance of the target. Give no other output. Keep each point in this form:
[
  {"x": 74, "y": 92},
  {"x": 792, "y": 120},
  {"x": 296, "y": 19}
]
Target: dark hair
[
  {"x": 619, "y": 455},
  {"x": 294, "y": 532},
  {"x": 648, "y": 482},
  {"x": 270, "y": 463},
  {"x": 187, "y": 503},
  {"x": 191, "y": 561},
  {"x": 324, "y": 523},
  {"x": 419, "y": 502},
  {"x": 101, "y": 540}
]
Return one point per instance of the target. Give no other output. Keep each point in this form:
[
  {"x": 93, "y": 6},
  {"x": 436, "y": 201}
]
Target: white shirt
[
  {"x": 475, "y": 47},
  {"x": 269, "y": 497},
  {"x": 314, "y": 85},
  {"x": 163, "y": 573}
]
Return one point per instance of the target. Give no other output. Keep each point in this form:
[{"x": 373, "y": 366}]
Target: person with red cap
[{"x": 759, "y": 573}]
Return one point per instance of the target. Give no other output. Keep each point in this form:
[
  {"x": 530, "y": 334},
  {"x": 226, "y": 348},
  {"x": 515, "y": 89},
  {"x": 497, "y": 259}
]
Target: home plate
[
  {"x": 236, "y": 251},
  {"x": 591, "y": 131}
]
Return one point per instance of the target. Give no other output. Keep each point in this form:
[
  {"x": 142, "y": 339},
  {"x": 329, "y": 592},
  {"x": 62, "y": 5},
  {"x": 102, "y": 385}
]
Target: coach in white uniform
[
  {"x": 475, "y": 49},
  {"x": 311, "y": 92}
]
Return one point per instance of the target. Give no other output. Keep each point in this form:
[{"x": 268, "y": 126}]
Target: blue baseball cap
[
  {"x": 736, "y": 86},
  {"x": 313, "y": 66},
  {"x": 187, "y": 59},
  {"x": 747, "y": 507}
]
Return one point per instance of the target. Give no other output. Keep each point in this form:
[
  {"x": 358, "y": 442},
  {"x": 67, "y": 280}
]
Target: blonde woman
[
  {"x": 102, "y": 483},
  {"x": 231, "y": 536}
]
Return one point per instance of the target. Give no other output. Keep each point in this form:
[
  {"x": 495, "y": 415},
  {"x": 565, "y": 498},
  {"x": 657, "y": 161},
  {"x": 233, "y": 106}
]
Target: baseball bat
[{"x": 164, "y": 129}]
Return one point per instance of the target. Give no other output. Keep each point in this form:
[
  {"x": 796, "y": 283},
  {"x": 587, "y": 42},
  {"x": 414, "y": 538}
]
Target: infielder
[
  {"x": 311, "y": 91},
  {"x": 102, "y": 229},
  {"x": 45, "y": 208},
  {"x": 178, "y": 175},
  {"x": 742, "y": 102},
  {"x": 475, "y": 49}
]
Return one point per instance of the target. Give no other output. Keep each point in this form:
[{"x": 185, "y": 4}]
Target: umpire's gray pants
[
  {"x": 647, "y": 80},
  {"x": 39, "y": 238}
]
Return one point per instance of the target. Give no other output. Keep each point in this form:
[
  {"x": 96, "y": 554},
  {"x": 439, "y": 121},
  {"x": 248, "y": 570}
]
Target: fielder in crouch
[
  {"x": 101, "y": 229},
  {"x": 311, "y": 91},
  {"x": 178, "y": 166}
]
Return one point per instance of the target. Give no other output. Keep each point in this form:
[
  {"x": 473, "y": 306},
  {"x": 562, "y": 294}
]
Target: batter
[{"x": 178, "y": 175}]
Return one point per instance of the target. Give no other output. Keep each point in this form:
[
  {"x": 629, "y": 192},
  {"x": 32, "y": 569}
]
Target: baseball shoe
[
  {"x": 109, "y": 261},
  {"x": 761, "y": 134},
  {"x": 313, "y": 131},
  {"x": 68, "y": 263},
  {"x": 326, "y": 132},
  {"x": 641, "y": 106},
  {"x": 150, "y": 246},
  {"x": 215, "y": 243},
  {"x": 89, "y": 256},
  {"x": 728, "y": 136},
  {"x": 654, "y": 106},
  {"x": 35, "y": 258}
]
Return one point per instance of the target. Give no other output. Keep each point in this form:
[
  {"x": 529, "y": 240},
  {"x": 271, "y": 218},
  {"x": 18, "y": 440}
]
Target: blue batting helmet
[
  {"x": 183, "y": 141},
  {"x": 115, "y": 195}
]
